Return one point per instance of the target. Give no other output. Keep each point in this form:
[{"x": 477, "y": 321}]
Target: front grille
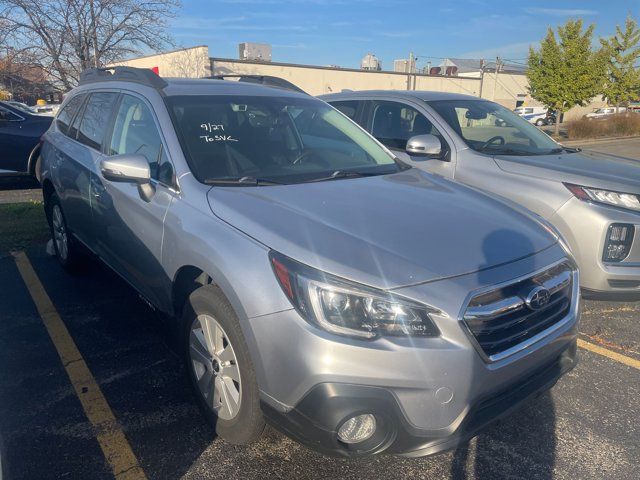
[{"x": 508, "y": 316}]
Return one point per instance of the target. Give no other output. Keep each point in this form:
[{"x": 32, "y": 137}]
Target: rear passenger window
[
  {"x": 347, "y": 107},
  {"x": 135, "y": 132},
  {"x": 65, "y": 117},
  {"x": 95, "y": 118}
]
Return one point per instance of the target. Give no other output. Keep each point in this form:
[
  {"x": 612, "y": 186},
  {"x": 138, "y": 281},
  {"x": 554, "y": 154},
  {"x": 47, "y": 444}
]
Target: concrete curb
[{"x": 596, "y": 141}]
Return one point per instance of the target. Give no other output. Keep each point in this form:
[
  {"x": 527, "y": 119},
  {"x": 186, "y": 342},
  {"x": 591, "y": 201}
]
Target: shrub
[{"x": 620, "y": 125}]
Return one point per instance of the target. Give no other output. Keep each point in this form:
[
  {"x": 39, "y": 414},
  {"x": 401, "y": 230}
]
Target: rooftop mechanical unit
[
  {"x": 371, "y": 62},
  {"x": 255, "y": 51}
]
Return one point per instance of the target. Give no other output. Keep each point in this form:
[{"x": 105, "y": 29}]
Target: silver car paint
[
  {"x": 427, "y": 229},
  {"x": 405, "y": 229},
  {"x": 536, "y": 183}
]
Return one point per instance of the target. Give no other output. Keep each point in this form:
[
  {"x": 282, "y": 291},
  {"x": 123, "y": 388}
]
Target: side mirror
[
  {"x": 424, "y": 146},
  {"x": 129, "y": 169}
]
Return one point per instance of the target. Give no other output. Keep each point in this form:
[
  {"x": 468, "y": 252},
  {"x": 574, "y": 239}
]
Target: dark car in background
[{"x": 20, "y": 133}]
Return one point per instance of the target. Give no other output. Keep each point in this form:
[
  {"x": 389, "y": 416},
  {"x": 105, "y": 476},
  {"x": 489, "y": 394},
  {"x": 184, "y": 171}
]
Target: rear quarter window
[{"x": 68, "y": 112}]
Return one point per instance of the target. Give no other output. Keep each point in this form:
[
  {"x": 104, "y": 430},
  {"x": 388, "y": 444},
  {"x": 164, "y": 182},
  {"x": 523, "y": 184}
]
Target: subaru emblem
[{"x": 538, "y": 298}]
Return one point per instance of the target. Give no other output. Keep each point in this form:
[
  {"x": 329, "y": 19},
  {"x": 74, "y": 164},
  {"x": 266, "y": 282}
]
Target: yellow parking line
[
  {"x": 605, "y": 352},
  {"x": 114, "y": 445}
]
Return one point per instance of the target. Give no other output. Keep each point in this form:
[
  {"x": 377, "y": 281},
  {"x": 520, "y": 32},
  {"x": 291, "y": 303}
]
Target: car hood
[
  {"x": 589, "y": 169},
  {"x": 385, "y": 231}
]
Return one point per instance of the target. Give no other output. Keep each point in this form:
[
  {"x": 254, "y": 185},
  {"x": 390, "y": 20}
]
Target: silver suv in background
[
  {"x": 592, "y": 199},
  {"x": 317, "y": 282}
]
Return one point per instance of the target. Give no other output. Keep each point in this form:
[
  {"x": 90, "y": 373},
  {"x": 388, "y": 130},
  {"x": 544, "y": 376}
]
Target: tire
[
  {"x": 540, "y": 123},
  {"x": 224, "y": 382},
  {"x": 65, "y": 247}
]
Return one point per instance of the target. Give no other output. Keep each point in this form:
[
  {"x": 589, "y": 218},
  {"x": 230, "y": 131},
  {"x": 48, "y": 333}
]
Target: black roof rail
[
  {"x": 267, "y": 80},
  {"x": 143, "y": 76}
]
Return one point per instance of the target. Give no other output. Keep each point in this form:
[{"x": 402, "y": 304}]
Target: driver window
[
  {"x": 394, "y": 123},
  {"x": 135, "y": 132}
]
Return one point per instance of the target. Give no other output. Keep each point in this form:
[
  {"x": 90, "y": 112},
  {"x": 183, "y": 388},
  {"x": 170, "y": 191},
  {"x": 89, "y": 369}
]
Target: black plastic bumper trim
[{"x": 317, "y": 417}]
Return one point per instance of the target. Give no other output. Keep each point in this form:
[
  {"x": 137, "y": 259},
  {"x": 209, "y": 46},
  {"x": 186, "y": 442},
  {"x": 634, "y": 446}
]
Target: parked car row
[
  {"x": 605, "y": 112},
  {"x": 539, "y": 116},
  {"x": 386, "y": 273}
]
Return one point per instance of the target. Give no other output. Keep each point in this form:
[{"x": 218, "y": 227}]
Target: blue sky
[{"x": 340, "y": 32}]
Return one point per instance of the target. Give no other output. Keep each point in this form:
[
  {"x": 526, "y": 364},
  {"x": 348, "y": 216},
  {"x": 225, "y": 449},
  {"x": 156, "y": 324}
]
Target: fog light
[
  {"x": 357, "y": 429},
  {"x": 619, "y": 241}
]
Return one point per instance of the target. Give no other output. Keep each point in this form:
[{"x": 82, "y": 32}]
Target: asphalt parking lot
[{"x": 588, "y": 426}]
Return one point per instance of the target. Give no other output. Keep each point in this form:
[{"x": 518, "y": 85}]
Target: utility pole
[
  {"x": 495, "y": 80},
  {"x": 481, "y": 76},
  {"x": 414, "y": 67},
  {"x": 409, "y": 71}
]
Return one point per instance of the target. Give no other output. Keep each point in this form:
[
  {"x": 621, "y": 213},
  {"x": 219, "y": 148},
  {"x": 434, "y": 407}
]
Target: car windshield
[
  {"x": 261, "y": 140},
  {"x": 490, "y": 128}
]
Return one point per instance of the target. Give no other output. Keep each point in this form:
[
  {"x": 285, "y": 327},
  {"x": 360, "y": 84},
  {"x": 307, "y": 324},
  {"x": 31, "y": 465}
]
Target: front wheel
[
  {"x": 540, "y": 123},
  {"x": 220, "y": 367}
]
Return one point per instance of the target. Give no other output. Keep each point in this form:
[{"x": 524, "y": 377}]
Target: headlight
[
  {"x": 347, "y": 308},
  {"x": 630, "y": 201}
]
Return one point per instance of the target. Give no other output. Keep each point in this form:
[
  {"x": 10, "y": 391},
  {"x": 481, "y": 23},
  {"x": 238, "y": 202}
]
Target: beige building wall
[
  {"x": 190, "y": 62},
  {"x": 320, "y": 80},
  {"x": 504, "y": 88}
]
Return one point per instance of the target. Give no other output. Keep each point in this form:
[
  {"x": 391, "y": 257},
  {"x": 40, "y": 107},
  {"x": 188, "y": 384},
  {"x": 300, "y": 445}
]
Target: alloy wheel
[
  {"x": 215, "y": 366},
  {"x": 60, "y": 236}
]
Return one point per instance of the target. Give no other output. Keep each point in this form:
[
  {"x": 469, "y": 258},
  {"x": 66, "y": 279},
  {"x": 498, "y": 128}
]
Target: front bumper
[
  {"x": 584, "y": 225},
  {"x": 429, "y": 393},
  {"x": 314, "y": 421}
]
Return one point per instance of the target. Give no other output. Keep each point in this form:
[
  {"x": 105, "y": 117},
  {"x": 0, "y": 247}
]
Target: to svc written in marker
[{"x": 211, "y": 128}]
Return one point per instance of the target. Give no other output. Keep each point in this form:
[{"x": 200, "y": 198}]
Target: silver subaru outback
[
  {"x": 319, "y": 283},
  {"x": 592, "y": 199}
]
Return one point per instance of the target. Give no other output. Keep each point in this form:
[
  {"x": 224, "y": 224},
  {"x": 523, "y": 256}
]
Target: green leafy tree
[
  {"x": 622, "y": 83},
  {"x": 566, "y": 71}
]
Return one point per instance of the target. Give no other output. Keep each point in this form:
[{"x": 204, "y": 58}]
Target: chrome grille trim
[
  {"x": 510, "y": 304},
  {"x": 501, "y": 324}
]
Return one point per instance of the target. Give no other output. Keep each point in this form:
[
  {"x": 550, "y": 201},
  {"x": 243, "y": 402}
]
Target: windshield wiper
[
  {"x": 338, "y": 174},
  {"x": 505, "y": 151},
  {"x": 252, "y": 181}
]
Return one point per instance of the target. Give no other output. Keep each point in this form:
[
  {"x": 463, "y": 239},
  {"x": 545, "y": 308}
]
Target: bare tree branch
[{"x": 68, "y": 36}]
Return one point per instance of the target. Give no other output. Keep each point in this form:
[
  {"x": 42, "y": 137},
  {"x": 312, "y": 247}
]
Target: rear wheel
[
  {"x": 220, "y": 367},
  {"x": 65, "y": 248},
  {"x": 540, "y": 122}
]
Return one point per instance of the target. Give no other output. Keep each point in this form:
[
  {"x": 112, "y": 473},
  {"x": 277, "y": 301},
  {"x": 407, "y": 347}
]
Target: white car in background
[
  {"x": 535, "y": 115},
  {"x": 604, "y": 112},
  {"x": 49, "y": 109}
]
